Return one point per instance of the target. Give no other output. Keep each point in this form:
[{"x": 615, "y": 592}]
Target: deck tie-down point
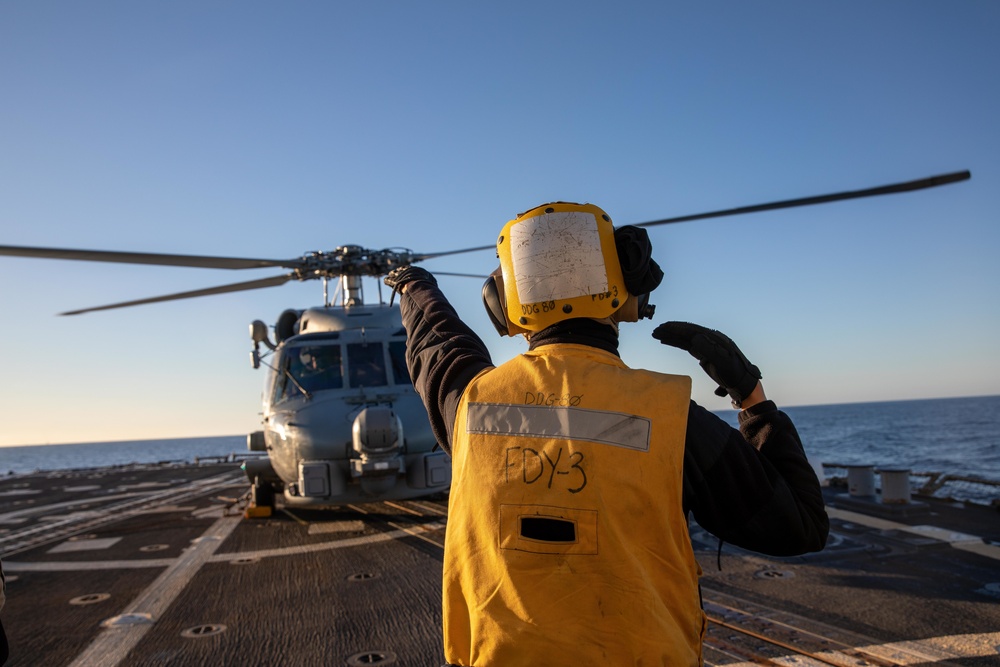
[
  {"x": 372, "y": 658},
  {"x": 207, "y": 630}
]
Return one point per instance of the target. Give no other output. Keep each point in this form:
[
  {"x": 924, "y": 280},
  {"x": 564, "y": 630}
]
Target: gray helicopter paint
[{"x": 309, "y": 439}]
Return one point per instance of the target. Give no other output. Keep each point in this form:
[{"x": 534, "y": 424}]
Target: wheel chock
[{"x": 257, "y": 512}]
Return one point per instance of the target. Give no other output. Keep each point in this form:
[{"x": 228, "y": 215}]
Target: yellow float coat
[{"x": 566, "y": 541}]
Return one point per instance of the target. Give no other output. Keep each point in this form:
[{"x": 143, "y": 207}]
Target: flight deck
[{"x": 157, "y": 565}]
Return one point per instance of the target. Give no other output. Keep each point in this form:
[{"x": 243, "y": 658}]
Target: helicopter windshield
[
  {"x": 309, "y": 369},
  {"x": 397, "y": 354},
  {"x": 366, "y": 365}
]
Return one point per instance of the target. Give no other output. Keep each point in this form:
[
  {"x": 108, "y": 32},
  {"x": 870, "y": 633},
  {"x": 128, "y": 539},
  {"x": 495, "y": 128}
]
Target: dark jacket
[{"x": 752, "y": 487}]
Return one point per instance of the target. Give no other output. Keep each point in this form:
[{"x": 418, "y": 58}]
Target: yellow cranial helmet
[{"x": 558, "y": 261}]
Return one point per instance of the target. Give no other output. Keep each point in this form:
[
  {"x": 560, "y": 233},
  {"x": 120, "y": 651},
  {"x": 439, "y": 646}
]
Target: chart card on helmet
[{"x": 557, "y": 256}]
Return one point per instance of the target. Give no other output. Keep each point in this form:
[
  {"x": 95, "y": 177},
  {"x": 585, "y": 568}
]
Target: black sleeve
[
  {"x": 442, "y": 353},
  {"x": 754, "y": 487}
]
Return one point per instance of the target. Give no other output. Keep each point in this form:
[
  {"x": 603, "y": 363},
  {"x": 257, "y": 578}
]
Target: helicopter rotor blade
[
  {"x": 222, "y": 289},
  {"x": 198, "y": 261},
  {"x": 419, "y": 257},
  {"x": 354, "y": 260},
  {"x": 907, "y": 186},
  {"x": 461, "y": 275}
]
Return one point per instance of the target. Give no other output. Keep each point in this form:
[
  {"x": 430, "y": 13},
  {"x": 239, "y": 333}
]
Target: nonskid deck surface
[{"x": 154, "y": 565}]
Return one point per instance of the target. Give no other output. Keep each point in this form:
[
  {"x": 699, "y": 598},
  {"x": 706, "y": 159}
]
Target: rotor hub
[{"x": 352, "y": 260}]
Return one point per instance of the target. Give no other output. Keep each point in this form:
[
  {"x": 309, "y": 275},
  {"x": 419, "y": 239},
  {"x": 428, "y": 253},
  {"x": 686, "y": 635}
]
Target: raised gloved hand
[
  {"x": 717, "y": 354},
  {"x": 401, "y": 275}
]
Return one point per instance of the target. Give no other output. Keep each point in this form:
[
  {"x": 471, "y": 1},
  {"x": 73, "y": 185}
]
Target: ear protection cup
[
  {"x": 493, "y": 300},
  {"x": 635, "y": 254},
  {"x": 496, "y": 306}
]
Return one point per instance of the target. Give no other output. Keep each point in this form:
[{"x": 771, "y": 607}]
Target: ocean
[
  {"x": 30, "y": 458},
  {"x": 959, "y": 436}
]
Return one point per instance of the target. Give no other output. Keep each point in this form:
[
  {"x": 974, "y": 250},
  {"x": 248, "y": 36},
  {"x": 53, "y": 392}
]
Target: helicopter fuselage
[{"x": 341, "y": 420}]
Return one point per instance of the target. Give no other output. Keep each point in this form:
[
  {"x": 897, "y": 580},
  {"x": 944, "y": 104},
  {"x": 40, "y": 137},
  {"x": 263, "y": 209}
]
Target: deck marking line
[
  {"x": 404, "y": 508},
  {"x": 44, "y": 509},
  {"x": 327, "y": 527},
  {"x": 416, "y": 534},
  {"x": 113, "y": 644},
  {"x": 845, "y": 647},
  {"x": 79, "y": 566},
  {"x": 939, "y": 649},
  {"x": 326, "y": 546},
  {"x": 963, "y": 541},
  {"x": 433, "y": 509},
  {"x": 96, "y": 544},
  {"x": 35, "y": 535},
  {"x": 298, "y": 520},
  {"x": 67, "y": 566}
]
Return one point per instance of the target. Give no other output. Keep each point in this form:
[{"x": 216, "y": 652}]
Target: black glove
[
  {"x": 717, "y": 354},
  {"x": 402, "y": 275}
]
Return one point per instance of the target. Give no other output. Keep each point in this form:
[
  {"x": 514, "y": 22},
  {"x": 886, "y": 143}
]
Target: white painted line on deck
[
  {"x": 962, "y": 541},
  {"x": 167, "y": 509},
  {"x": 915, "y": 652},
  {"x": 19, "y": 515},
  {"x": 417, "y": 534},
  {"x": 74, "y": 566},
  {"x": 66, "y": 566},
  {"x": 114, "y": 643},
  {"x": 98, "y": 544},
  {"x": 327, "y": 527},
  {"x": 326, "y": 546}
]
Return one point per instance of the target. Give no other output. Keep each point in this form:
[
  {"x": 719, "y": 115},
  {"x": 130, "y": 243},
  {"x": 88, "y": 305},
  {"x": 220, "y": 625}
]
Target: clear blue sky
[{"x": 266, "y": 129}]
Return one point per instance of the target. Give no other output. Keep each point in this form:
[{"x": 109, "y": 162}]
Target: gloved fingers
[
  {"x": 713, "y": 372},
  {"x": 391, "y": 278},
  {"x": 717, "y": 354},
  {"x": 709, "y": 347},
  {"x": 402, "y": 275},
  {"x": 678, "y": 334}
]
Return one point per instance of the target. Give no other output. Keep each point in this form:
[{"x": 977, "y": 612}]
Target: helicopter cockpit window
[
  {"x": 366, "y": 365},
  {"x": 397, "y": 354},
  {"x": 312, "y": 368}
]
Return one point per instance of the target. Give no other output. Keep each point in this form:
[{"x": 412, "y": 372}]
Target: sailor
[{"x": 573, "y": 474}]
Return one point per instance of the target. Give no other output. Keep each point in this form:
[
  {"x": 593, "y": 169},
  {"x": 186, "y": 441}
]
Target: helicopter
[{"x": 341, "y": 421}]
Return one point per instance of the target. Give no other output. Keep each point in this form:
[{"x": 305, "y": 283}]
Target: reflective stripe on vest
[{"x": 608, "y": 428}]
